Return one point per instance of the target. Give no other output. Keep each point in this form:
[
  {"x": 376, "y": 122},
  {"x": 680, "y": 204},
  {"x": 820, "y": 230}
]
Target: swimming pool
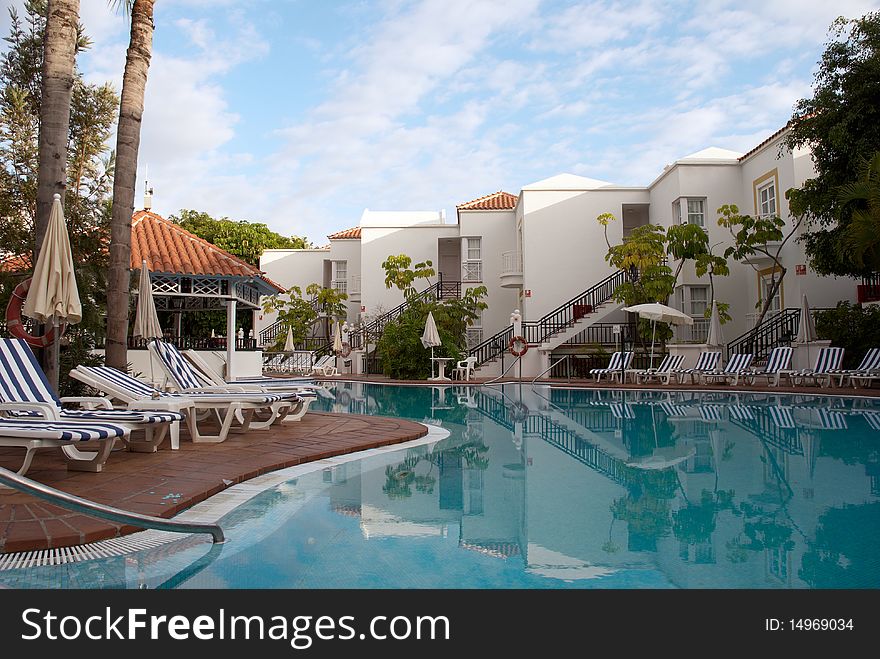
[{"x": 553, "y": 488}]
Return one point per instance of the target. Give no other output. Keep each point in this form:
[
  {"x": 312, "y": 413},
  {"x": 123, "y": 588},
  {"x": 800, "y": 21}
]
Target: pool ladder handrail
[{"x": 102, "y": 511}]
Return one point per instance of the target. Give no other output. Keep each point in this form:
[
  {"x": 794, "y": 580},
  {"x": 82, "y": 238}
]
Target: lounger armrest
[
  {"x": 228, "y": 389},
  {"x": 99, "y": 402},
  {"x": 47, "y": 410}
]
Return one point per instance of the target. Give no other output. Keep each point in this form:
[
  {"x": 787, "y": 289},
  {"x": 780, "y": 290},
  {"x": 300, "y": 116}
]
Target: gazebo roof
[{"x": 170, "y": 249}]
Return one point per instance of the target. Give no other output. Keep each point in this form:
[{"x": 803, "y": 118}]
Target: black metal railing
[
  {"x": 372, "y": 331},
  {"x": 777, "y": 330},
  {"x": 563, "y": 438},
  {"x": 603, "y": 334},
  {"x": 561, "y": 318},
  {"x": 190, "y": 343},
  {"x": 271, "y": 332}
]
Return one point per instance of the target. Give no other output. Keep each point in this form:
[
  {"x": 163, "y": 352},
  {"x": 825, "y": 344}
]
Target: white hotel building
[{"x": 542, "y": 248}]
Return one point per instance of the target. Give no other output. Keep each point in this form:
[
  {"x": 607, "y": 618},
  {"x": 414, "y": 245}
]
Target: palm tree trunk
[
  {"x": 128, "y": 137},
  {"x": 59, "y": 56}
]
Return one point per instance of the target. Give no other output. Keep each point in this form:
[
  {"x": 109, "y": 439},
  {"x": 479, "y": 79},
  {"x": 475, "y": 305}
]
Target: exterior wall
[
  {"x": 349, "y": 251},
  {"x": 791, "y": 170},
  {"x": 563, "y": 245},
  {"x": 718, "y": 185},
  {"x": 290, "y": 267},
  {"x": 497, "y": 229},
  {"x": 418, "y": 241}
]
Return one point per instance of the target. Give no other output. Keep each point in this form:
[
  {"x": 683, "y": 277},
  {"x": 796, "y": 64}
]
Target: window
[
  {"x": 693, "y": 300},
  {"x": 474, "y": 333},
  {"x": 472, "y": 266},
  {"x": 767, "y": 199},
  {"x": 699, "y": 300},
  {"x": 340, "y": 276},
  {"x": 776, "y": 301},
  {"x": 694, "y": 211}
]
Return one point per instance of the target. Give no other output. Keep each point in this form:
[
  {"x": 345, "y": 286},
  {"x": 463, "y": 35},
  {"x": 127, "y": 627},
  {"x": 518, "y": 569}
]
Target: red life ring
[
  {"x": 518, "y": 346},
  {"x": 16, "y": 327},
  {"x": 346, "y": 349}
]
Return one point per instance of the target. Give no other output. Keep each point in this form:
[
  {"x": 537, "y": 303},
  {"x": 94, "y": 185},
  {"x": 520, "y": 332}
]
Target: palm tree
[
  {"x": 128, "y": 137},
  {"x": 862, "y": 236},
  {"x": 60, "y": 42}
]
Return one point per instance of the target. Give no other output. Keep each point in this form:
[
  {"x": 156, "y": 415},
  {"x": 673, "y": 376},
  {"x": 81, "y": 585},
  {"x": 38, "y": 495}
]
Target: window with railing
[
  {"x": 340, "y": 276},
  {"x": 472, "y": 266},
  {"x": 474, "y": 333}
]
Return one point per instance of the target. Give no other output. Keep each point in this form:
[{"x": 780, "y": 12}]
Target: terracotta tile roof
[
  {"x": 15, "y": 263},
  {"x": 765, "y": 142},
  {"x": 497, "y": 201},
  {"x": 346, "y": 234},
  {"x": 170, "y": 248}
]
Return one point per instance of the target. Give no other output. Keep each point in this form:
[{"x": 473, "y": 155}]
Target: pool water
[{"x": 554, "y": 488}]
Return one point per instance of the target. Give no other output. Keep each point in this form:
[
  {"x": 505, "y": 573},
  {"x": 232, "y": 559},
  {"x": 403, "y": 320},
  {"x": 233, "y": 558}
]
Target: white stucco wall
[
  {"x": 563, "y": 245},
  {"x": 497, "y": 229},
  {"x": 418, "y": 241},
  {"x": 291, "y": 267},
  {"x": 349, "y": 250}
]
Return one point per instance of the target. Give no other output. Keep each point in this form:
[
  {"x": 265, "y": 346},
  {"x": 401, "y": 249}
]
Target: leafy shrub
[{"x": 852, "y": 327}]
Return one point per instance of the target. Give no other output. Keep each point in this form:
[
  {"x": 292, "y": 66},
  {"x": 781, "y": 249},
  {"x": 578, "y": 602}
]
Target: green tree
[
  {"x": 861, "y": 237},
  {"x": 299, "y": 312},
  {"x": 689, "y": 242},
  {"x": 88, "y": 166},
  {"x": 840, "y": 123},
  {"x": 400, "y": 349},
  {"x": 246, "y": 240},
  {"x": 758, "y": 235},
  {"x": 642, "y": 253}
]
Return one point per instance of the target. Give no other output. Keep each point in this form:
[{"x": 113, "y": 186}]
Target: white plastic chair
[{"x": 464, "y": 369}]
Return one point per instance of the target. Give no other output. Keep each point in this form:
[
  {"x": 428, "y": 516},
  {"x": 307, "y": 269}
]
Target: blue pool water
[{"x": 554, "y": 488}]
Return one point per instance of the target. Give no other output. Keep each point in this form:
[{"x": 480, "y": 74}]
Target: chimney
[{"x": 148, "y": 196}]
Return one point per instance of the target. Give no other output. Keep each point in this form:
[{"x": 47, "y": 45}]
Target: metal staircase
[
  {"x": 777, "y": 330},
  {"x": 563, "y": 319}
]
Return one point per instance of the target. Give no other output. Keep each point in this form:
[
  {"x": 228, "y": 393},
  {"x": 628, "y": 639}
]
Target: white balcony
[{"x": 511, "y": 269}]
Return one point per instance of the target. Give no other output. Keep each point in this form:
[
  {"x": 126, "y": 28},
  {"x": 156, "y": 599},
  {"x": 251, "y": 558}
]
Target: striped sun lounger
[
  {"x": 668, "y": 368},
  {"x": 33, "y": 434},
  {"x": 866, "y": 372},
  {"x": 707, "y": 362},
  {"x": 827, "y": 364},
  {"x": 620, "y": 361},
  {"x": 736, "y": 368},
  {"x": 777, "y": 364},
  {"x": 225, "y": 406},
  {"x": 25, "y": 392}
]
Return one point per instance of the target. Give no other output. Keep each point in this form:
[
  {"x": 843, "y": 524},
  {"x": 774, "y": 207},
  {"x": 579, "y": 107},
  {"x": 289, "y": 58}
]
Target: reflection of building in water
[{"x": 730, "y": 496}]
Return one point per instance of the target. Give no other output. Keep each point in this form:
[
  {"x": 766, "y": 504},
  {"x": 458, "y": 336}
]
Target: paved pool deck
[{"x": 164, "y": 483}]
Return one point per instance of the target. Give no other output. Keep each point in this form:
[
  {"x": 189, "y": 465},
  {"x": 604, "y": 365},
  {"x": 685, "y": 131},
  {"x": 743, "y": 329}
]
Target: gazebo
[{"x": 189, "y": 274}]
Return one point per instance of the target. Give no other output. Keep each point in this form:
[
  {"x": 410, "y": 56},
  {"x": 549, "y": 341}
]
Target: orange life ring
[
  {"x": 16, "y": 327},
  {"x": 518, "y": 346},
  {"x": 346, "y": 349}
]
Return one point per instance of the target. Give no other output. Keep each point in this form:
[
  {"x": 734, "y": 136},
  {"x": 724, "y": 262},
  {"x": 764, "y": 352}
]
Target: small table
[{"x": 441, "y": 367}]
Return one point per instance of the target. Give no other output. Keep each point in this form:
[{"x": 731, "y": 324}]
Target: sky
[{"x": 301, "y": 114}]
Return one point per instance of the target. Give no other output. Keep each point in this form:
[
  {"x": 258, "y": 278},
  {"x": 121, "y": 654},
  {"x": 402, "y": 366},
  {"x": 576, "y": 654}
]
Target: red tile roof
[
  {"x": 346, "y": 234},
  {"x": 497, "y": 201},
  {"x": 170, "y": 248},
  {"x": 15, "y": 263},
  {"x": 765, "y": 142}
]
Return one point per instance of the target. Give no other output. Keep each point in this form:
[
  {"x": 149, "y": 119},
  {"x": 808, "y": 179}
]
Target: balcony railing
[
  {"x": 474, "y": 336},
  {"x": 696, "y": 333},
  {"x": 472, "y": 271},
  {"x": 511, "y": 263},
  {"x": 340, "y": 285}
]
